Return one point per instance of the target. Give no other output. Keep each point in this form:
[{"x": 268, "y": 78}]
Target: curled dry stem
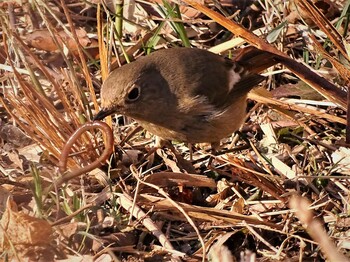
[{"x": 62, "y": 165}]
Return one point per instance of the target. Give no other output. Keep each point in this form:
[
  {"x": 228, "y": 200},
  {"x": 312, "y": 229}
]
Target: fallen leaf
[{"x": 22, "y": 235}]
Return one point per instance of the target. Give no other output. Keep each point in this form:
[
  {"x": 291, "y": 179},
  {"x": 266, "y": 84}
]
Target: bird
[{"x": 184, "y": 94}]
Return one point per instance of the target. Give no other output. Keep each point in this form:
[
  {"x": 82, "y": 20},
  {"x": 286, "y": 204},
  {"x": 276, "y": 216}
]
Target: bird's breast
[{"x": 200, "y": 126}]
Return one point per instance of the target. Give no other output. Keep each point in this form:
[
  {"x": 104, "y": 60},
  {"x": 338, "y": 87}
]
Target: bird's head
[{"x": 137, "y": 90}]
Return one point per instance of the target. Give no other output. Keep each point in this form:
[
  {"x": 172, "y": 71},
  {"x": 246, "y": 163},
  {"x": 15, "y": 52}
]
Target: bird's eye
[{"x": 134, "y": 94}]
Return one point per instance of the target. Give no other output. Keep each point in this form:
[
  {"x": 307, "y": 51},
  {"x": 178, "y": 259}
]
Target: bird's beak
[{"x": 103, "y": 113}]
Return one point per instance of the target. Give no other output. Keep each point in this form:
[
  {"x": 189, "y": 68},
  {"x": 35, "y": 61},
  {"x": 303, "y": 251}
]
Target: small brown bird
[{"x": 182, "y": 94}]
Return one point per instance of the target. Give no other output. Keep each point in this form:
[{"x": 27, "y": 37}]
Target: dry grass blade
[
  {"x": 291, "y": 106},
  {"x": 342, "y": 69},
  {"x": 58, "y": 89},
  {"x": 81, "y": 56},
  {"x": 35, "y": 112},
  {"x": 101, "y": 45},
  {"x": 315, "y": 229},
  {"x": 322, "y": 22}
]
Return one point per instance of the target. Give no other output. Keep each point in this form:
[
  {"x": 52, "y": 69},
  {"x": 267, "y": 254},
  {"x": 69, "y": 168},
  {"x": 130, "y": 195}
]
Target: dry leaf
[
  {"x": 14, "y": 135},
  {"x": 22, "y": 232},
  {"x": 42, "y": 40}
]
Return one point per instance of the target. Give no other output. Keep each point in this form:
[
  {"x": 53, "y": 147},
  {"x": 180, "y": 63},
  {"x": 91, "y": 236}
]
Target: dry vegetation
[{"x": 278, "y": 191}]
